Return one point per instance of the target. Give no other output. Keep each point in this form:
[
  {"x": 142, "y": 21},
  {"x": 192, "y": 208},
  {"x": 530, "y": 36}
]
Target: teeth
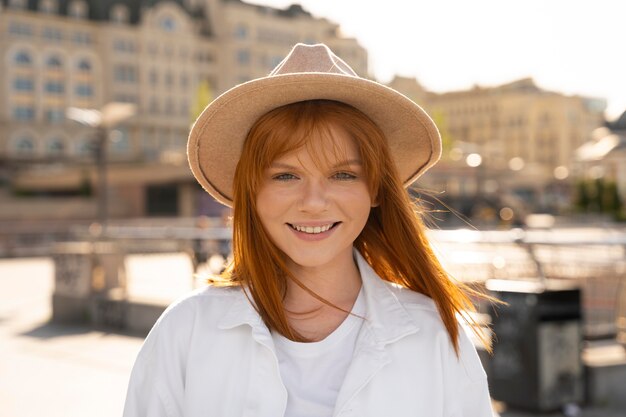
[{"x": 311, "y": 229}]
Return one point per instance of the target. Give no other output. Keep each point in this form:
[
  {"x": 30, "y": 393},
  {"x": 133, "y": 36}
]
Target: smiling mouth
[{"x": 313, "y": 230}]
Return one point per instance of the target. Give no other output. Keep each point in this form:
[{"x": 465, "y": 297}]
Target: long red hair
[{"x": 393, "y": 241}]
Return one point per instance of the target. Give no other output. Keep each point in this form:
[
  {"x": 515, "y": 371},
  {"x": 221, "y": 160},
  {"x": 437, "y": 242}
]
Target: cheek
[
  {"x": 357, "y": 203},
  {"x": 263, "y": 204},
  {"x": 270, "y": 203}
]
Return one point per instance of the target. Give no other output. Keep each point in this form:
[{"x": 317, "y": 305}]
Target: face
[{"x": 314, "y": 210}]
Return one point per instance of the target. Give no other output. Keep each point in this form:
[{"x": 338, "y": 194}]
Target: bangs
[{"x": 309, "y": 125}]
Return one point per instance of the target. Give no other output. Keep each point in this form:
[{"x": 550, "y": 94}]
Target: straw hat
[{"x": 309, "y": 72}]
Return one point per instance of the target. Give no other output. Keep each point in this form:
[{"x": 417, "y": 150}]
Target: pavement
[
  {"x": 72, "y": 371},
  {"x": 53, "y": 370}
]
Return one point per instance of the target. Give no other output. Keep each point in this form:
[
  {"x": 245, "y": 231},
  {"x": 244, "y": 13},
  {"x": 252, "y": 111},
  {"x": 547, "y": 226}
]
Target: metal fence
[
  {"x": 597, "y": 263},
  {"x": 595, "y": 258}
]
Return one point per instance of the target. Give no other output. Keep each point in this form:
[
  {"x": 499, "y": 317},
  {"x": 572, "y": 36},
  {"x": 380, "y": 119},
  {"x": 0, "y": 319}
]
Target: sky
[{"x": 570, "y": 46}]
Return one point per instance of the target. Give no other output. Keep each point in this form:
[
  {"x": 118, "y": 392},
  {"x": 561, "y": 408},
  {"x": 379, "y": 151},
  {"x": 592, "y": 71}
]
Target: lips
[{"x": 313, "y": 229}]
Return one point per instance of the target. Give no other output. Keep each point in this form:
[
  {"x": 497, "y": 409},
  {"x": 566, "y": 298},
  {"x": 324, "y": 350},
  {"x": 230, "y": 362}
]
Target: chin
[{"x": 317, "y": 258}]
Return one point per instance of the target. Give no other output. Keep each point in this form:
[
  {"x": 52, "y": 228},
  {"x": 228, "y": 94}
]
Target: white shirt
[
  {"x": 211, "y": 355},
  {"x": 314, "y": 372}
]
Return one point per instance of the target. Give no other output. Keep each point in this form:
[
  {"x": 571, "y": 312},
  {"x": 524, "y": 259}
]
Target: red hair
[{"x": 393, "y": 241}]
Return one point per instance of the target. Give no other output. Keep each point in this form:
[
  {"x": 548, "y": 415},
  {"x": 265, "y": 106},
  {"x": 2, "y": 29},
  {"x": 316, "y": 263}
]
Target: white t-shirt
[{"x": 314, "y": 372}]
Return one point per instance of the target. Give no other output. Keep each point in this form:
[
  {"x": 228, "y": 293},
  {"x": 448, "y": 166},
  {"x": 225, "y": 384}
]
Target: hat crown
[{"x": 312, "y": 58}]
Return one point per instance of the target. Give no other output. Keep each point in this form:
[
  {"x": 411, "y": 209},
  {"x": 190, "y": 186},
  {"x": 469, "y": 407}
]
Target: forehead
[{"x": 328, "y": 144}]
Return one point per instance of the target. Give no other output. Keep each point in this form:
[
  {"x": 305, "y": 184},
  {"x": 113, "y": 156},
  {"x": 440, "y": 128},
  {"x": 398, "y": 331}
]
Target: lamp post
[{"x": 102, "y": 121}]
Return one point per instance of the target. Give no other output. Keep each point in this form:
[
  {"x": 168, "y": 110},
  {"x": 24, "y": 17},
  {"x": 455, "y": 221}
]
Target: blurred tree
[
  {"x": 85, "y": 188},
  {"x": 611, "y": 200},
  {"x": 582, "y": 196},
  {"x": 446, "y": 139},
  {"x": 599, "y": 196},
  {"x": 204, "y": 95},
  {"x": 597, "y": 201}
]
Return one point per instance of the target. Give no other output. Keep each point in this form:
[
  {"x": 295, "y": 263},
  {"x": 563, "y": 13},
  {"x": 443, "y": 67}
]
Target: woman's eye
[
  {"x": 344, "y": 176},
  {"x": 284, "y": 177}
]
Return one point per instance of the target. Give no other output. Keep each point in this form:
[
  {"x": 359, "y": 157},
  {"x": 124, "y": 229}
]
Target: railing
[{"x": 594, "y": 259}]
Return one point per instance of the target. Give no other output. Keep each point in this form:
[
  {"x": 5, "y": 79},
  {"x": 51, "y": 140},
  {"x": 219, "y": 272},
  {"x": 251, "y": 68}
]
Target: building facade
[
  {"x": 58, "y": 54},
  {"x": 515, "y": 138}
]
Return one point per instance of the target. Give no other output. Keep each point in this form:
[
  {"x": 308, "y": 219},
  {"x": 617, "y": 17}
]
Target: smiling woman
[{"x": 334, "y": 303}]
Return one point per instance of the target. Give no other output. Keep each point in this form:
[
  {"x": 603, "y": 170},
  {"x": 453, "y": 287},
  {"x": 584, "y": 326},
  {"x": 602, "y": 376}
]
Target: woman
[{"x": 334, "y": 303}]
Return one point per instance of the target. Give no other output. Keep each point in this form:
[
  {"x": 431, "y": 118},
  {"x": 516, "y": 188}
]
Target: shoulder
[
  {"x": 418, "y": 305},
  {"x": 201, "y": 309},
  {"x": 424, "y": 313},
  {"x": 205, "y": 299},
  {"x": 207, "y": 294}
]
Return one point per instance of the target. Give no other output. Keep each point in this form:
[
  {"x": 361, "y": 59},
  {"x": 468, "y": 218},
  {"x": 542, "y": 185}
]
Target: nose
[{"x": 314, "y": 196}]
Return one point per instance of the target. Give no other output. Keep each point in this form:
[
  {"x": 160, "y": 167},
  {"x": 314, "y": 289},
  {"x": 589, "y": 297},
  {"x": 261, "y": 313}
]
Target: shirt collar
[{"x": 386, "y": 317}]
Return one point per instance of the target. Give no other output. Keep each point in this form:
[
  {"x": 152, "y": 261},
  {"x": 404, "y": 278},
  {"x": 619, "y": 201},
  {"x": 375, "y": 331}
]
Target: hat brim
[{"x": 216, "y": 138}]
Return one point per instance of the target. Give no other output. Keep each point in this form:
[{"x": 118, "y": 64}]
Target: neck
[{"x": 338, "y": 284}]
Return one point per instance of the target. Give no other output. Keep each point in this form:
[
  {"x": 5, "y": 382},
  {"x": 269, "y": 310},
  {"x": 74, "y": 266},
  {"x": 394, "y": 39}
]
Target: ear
[{"x": 375, "y": 202}]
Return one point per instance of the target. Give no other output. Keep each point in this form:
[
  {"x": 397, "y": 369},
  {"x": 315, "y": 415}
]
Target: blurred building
[
  {"x": 86, "y": 53},
  {"x": 515, "y": 139}
]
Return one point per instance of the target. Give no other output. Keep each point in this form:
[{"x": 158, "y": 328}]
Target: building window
[
  {"x": 85, "y": 147},
  {"x": 154, "y": 106},
  {"x": 184, "y": 80},
  {"x": 54, "y": 62},
  {"x": 55, "y": 87},
  {"x": 17, "y": 4},
  {"x": 119, "y": 13},
  {"x": 241, "y": 31},
  {"x": 169, "y": 106},
  {"x": 243, "y": 57},
  {"x": 125, "y": 98},
  {"x": 169, "y": 79},
  {"x": 82, "y": 38},
  {"x": 23, "y": 84},
  {"x": 124, "y": 45},
  {"x": 84, "y": 65},
  {"x": 52, "y": 34},
  {"x": 125, "y": 74},
  {"x": 154, "y": 78},
  {"x": 84, "y": 90},
  {"x": 276, "y": 59},
  {"x": 25, "y": 146},
  {"x": 20, "y": 29},
  {"x": 24, "y": 113},
  {"x": 23, "y": 58},
  {"x": 55, "y": 147},
  {"x": 48, "y": 6},
  {"x": 55, "y": 116},
  {"x": 78, "y": 9},
  {"x": 184, "y": 108},
  {"x": 149, "y": 147},
  {"x": 120, "y": 141},
  {"x": 168, "y": 24},
  {"x": 205, "y": 56}
]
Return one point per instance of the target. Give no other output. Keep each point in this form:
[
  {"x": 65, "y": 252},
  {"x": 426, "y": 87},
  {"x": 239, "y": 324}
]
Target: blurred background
[{"x": 102, "y": 224}]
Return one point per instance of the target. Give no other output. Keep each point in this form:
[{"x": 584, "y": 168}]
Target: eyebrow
[{"x": 337, "y": 165}]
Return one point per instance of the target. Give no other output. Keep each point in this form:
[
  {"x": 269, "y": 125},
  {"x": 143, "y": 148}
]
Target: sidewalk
[
  {"x": 52, "y": 370},
  {"x": 67, "y": 371}
]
